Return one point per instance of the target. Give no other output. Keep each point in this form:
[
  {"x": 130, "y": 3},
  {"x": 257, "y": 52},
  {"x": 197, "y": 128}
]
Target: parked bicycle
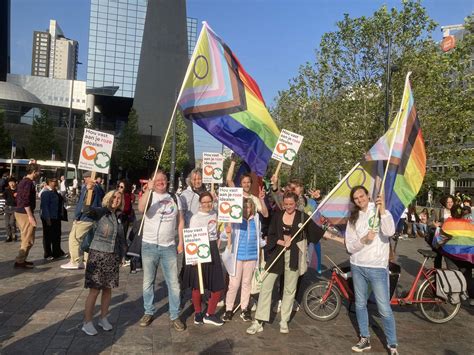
[{"x": 323, "y": 300}]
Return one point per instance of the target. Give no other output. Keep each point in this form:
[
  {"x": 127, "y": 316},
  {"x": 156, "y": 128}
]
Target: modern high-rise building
[
  {"x": 115, "y": 42},
  {"x": 4, "y": 39},
  {"x": 139, "y": 50},
  {"x": 54, "y": 55}
]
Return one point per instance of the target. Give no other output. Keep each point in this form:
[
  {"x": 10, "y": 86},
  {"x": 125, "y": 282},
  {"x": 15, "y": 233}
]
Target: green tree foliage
[
  {"x": 338, "y": 101},
  {"x": 5, "y": 139},
  {"x": 42, "y": 138},
  {"x": 129, "y": 148},
  {"x": 182, "y": 156}
]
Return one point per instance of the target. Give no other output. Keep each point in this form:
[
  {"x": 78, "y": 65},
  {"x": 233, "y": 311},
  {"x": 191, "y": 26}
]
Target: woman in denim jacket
[{"x": 106, "y": 253}]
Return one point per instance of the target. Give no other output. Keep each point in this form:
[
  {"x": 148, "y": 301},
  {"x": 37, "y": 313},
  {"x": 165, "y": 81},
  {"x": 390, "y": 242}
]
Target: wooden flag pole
[
  {"x": 188, "y": 71},
  {"x": 91, "y": 191},
  {"x": 201, "y": 283},
  {"x": 277, "y": 170},
  {"x": 397, "y": 118}
]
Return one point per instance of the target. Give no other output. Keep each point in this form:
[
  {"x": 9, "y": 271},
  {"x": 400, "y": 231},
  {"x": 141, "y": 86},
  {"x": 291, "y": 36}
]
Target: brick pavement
[{"x": 41, "y": 312}]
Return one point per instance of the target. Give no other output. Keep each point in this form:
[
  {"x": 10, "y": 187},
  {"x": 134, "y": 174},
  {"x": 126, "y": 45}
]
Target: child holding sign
[
  {"x": 213, "y": 277},
  {"x": 245, "y": 245}
]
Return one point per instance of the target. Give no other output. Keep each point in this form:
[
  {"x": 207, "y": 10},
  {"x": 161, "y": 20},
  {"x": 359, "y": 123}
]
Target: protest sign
[
  {"x": 212, "y": 168},
  {"x": 196, "y": 246},
  {"x": 96, "y": 151},
  {"x": 230, "y": 204},
  {"x": 287, "y": 147}
]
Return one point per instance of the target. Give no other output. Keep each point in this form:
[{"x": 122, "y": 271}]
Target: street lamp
[{"x": 68, "y": 138}]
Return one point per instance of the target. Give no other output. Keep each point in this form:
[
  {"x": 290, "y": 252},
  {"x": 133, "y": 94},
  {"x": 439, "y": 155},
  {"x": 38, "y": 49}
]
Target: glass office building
[{"x": 115, "y": 40}]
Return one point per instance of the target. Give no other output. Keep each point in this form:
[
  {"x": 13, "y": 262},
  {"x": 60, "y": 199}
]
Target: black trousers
[{"x": 52, "y": 238}]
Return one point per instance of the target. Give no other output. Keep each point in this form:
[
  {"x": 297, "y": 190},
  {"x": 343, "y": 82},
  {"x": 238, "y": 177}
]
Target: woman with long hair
[
  {"x": 106, "y": 253},
  {"x": 283, "y": 226},
  {"x": 368, "y": 241}
]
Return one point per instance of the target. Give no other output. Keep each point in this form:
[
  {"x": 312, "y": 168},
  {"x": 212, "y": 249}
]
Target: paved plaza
[{"x": 41, "y": 312}]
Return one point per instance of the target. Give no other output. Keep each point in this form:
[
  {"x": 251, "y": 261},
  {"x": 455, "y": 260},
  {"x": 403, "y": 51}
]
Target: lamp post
[
  {"x": 387, "y": 83},
  {"x": 68, "y": 138}
]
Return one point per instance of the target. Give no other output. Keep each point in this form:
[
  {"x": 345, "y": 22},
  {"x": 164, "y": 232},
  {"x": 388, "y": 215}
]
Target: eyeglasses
[{"x": 121, "y": 187}]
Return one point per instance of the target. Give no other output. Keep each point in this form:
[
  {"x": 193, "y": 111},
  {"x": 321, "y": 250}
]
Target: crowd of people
[{"x": 276, "y": 229}]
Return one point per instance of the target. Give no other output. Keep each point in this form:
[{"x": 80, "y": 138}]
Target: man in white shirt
[{"x": 163, "y": 216}]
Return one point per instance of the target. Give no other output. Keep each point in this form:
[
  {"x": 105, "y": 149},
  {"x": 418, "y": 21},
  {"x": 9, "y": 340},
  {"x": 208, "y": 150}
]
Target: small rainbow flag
[
  {"x": 461, "y": 239},
  {"x": 407, "y": 167},
  {"x": 219, "y": 96}
]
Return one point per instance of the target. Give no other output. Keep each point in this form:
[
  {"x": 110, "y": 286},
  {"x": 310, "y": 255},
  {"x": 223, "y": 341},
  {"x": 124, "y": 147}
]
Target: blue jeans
[
  {"x": 379, "y": 282},
  {"x": 153, "y": 256}
]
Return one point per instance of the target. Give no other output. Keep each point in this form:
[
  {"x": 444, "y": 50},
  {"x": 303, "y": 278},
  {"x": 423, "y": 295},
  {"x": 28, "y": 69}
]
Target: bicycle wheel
[
  {"x": 313, "y": 305},
  {"x": 440, "y": 312}
]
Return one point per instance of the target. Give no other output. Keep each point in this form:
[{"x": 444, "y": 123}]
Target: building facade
[
  {"x": 54, "y": 55},
  {"x": 139, "y": 49},
  {"x": 4, "y": 39}
]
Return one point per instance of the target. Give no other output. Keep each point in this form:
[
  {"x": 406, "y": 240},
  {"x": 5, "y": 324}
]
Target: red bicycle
[{"x": 323, "y": 300}]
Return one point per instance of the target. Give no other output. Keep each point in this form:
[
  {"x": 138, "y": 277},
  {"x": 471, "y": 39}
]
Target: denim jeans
[
  {"x": 379, "y": 282},
  {"x": 153, "y": 256}
]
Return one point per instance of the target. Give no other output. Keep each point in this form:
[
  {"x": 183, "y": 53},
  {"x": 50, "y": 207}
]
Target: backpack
[{"x": 451, "y": 285}]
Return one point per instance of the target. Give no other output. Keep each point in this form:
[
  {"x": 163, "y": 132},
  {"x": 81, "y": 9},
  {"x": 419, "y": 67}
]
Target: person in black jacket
[
  {"x": 283, "y": 226},
  {"x": 10, "y": 204}
]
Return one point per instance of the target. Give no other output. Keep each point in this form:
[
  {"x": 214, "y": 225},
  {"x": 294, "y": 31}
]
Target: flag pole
[
  {"x": 188, "y": 71},
  {"x": 397, "y": 118},
  {"x": 266, "y": 272}
]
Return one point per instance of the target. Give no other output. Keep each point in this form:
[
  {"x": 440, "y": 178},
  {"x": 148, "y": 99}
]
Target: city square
[{"x": 206, "y": 177}]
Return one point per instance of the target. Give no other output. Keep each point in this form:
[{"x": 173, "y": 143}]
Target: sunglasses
[{"x": 121, "y": 187}]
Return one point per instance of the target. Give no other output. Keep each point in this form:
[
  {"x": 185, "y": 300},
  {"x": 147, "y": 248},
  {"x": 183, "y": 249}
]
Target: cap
[{"x": 87, "y": 174}]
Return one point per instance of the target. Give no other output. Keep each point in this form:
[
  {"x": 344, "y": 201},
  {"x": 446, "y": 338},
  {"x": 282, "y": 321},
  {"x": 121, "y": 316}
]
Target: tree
[
  {"x": 42, "y": 138},
  {"x": 182, "y": 156},
  {"x": 337, "y": 102},
  {"x": 5, "y": 139},
  {"x": 129, "y": 148}
]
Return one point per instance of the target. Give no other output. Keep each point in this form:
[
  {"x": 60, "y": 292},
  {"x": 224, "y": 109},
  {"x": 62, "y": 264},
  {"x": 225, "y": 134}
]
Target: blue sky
[{"x": 271, "y": 38}]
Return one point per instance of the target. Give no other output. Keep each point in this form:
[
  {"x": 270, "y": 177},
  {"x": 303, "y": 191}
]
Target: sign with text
[
  {"x": 287, "y": 147},
  {"x": 212, "y": 168},
  {"x": 96, "y": 151},
  {"x": 196, "y": 245},
  {"x": 230, "y": 204}
]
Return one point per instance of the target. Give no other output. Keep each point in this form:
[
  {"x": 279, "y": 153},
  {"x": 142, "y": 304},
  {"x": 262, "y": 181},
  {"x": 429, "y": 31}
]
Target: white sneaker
[
  {"x": 284, "y": 328},
  {"x": 72, "y": 266},
  {"x": 220, "y": 303},
  {"x": 256, "y": 327},
  {"x": 89, "y": 328},
  {"x": 105, "y": 324}
]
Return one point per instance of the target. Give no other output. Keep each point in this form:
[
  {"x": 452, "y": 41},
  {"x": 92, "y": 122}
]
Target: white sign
[
  {"x": 439, "y": 183},
  {"x": 96, "y": 151},
  {"x": 287, "y": 147},
  {"x": 230, "y": 204},
  {"x": 212, "y": 168},
  {"x": 196, "y": 245}
]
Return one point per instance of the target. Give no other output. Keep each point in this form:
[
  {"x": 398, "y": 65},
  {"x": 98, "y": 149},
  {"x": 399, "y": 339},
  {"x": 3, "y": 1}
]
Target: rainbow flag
[
  {"x": 406, "y": 170},
  {"x": 223, "y": 99},
  {"x": 460, "y": 244}
]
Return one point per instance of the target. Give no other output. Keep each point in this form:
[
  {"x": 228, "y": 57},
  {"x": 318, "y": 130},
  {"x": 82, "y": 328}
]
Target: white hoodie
[{"x": 375, "y": 254}]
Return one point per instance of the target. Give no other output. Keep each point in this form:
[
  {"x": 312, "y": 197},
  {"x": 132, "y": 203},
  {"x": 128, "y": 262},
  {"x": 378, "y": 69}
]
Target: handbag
[
  {"x": 87, "y": 241},
  {"x": 257, "y": 278},
  {"x": 228, "y": 259},
  {"x": 302, "y": 256}
]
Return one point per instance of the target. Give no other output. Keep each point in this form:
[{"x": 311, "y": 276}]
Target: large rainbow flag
[
  {"x": 223, "y": 99},
  {"x": 460, "y": 244},
  {"x": 406, "y": 170}
]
